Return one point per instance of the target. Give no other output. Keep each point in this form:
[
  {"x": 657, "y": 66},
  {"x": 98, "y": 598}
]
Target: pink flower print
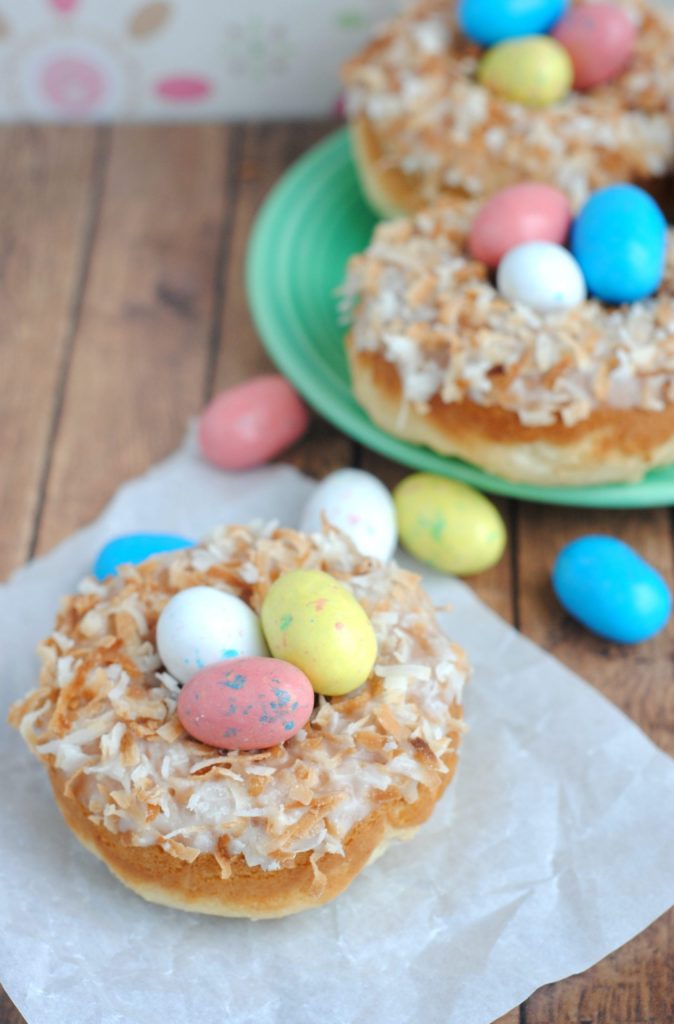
[
  {"x": 64, "y": 6},
  {"x": 73, "y": 85},
  {"x": 183, "y": 88},
  {"x": 73, "y": 79}
]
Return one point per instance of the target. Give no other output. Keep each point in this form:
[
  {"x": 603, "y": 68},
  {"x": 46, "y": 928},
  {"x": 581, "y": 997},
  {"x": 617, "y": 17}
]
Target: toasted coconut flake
[
  {"x": 105, "y": 718},
  {"x": 545, "y": 367}
]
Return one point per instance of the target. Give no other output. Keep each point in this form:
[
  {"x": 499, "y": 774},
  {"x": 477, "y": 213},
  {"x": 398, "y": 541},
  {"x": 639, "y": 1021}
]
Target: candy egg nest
[
  {"x": 423, "y": 125},
  {"x": 255, "y": 834},
  {"x": 439, "y": 357}
]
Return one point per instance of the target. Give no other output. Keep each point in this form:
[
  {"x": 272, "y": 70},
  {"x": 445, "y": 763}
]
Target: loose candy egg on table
[
  {"x": 201, "y": 626},
  {"x": 251, "y": 423},
  {"x": 599, "y": 39},
  {"x": 489, "y": 21},
  {"x": 604, "y": 584},
  {"x": 448, "y": 525},
  {"x": 535, "y": 71},
  {"x": 360, "y": 506},
  {"x": 133, "y": 548},
  {"x": 246, "y": 703},
  {"x": 620, "y": 240},
  {"x": 530, "y": 212},
  {"x": 541, "y": 275},
  {"x": 311, "y": 620}
]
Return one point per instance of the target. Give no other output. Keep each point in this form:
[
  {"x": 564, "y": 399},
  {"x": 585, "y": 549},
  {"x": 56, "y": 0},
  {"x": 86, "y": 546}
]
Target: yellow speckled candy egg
[
  {"x": 448, "y": 525},
  {"x": 534, "y": 70},
  {"x": 315, "y": 623}
]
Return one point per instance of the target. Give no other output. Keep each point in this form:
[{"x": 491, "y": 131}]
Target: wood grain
[
  {"x": 264, "y": 152},
  {"x": 48, "y": 186},
  {"x": 123, "y": 308},
  {"x": 142, "y": 343}
]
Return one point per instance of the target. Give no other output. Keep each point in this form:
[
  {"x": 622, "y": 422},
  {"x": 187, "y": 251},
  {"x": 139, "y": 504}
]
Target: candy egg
[
  {"x": 535, "y": 71},
  {"x": 311, "y": 620},
  {"x": 251, "y": 423},
  {"x": 360, "y": 506},
  {"x": 489, "y": 21},
  {"x": 449, "y": 525},
  {"x": 541, "y": 275},
  {"x": 599, "y": 39},
  {"x": 620, "y": 240},
  {"x": 246, "y": 703},
  {"x": 610, "y": 589},
  {"x": 133, "y": 548},
  {"x": 201, "y": 626},
  {"x": 529, "y": 212}
]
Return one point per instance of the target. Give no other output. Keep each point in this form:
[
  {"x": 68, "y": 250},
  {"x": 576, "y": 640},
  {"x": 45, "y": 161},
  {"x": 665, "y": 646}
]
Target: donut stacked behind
[
  {"x": 423, "y": 125},
  {"x": 439, "y": 357},
  {"x": 254, "y": 834}
]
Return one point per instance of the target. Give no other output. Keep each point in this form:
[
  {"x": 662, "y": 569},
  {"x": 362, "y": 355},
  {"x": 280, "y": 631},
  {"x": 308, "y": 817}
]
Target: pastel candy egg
[
  {"x": 599, "y": 39},
  {"x": 610, "y": 589},
  {"x": 529, "y": 212},
  {"x": 360, "y": 506},
  {"x": 201, "y": 626},
  {"x": 535, "y": 71},
  {"x": 489, "y": 21},
  {"x": 620, "y": 240},
  {"x": 541, "y": 275},
  {"x": 448, "y": 525},
  {"x": 311, "y": 620},
  {"x": 133, "y": 548},
  {"x": 251, "y": 423},
  {"x": 246, "y": 703}
]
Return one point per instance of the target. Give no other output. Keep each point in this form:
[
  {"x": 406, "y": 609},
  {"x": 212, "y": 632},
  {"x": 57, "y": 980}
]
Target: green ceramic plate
[{"x": 310, "y": 224}]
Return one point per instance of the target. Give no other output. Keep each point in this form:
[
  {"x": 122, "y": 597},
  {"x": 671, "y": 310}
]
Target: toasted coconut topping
[
  {"x": 415, "y": 297},
  {"x": 104, "y": 714},
  {"x": 416, "y": 85}
]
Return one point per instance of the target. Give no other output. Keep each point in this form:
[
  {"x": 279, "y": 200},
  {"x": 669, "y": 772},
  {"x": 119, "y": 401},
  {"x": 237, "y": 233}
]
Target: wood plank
[
  {"x": 141, "y": 351},
  {"x": 266, "y": 151},
  {"x": 48, "y": 185},
  {"x": 638, "y": 679},
  {"x": 635, "y": 985}
]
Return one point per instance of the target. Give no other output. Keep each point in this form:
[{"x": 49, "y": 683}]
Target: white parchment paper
[{"x": 552, "y": 848}]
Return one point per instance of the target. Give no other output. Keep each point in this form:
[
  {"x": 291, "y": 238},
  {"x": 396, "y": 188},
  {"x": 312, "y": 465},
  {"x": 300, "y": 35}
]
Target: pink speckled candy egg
[
  {"x": 246, "y": 703},
  {"x": 251, "y": 423},
  {"x": 600, "y": 41},
  {"x": 529, "y": 212}
]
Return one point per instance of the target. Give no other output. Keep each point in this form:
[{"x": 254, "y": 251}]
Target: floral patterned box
[{"x": 176, "y": 59}]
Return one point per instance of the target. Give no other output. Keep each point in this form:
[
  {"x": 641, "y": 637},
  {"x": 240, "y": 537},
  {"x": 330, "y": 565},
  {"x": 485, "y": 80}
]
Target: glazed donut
[
  {"x": 438, "y": 357},
  {"x": 422, "y": 126},
  {"x": 243, "y": 834}
]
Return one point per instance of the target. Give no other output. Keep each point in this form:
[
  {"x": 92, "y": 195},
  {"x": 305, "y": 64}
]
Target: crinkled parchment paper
[{"x": 553, "y": 846}]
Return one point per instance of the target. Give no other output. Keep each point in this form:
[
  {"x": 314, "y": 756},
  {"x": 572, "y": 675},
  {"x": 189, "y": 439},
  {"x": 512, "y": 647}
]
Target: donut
[
  {"x": 423, "y": 126},
  {"x": 440, "y": 358},
  {"x": 256, "y": 834}
]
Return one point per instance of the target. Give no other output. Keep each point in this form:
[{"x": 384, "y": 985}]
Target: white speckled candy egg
[
  {"x": 201, "y": 625},
  {"x": 311, "y": 620},
  {"x": 360, "y": 506},
  {"x": 246, "y": 703},
  {"x": 542, "y": 275}
]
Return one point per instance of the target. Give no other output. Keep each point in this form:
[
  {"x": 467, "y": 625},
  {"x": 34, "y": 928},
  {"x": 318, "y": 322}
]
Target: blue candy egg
[
  {"x": 133, "y": 548},
  {"x": 489, "y": 21},
  {"x": 620, "y": 240},
  {"x": 610, "y": 589}
]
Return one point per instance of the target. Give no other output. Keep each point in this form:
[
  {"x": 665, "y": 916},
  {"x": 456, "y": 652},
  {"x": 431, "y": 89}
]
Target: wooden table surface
[{"x": 122, "y": 309}]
